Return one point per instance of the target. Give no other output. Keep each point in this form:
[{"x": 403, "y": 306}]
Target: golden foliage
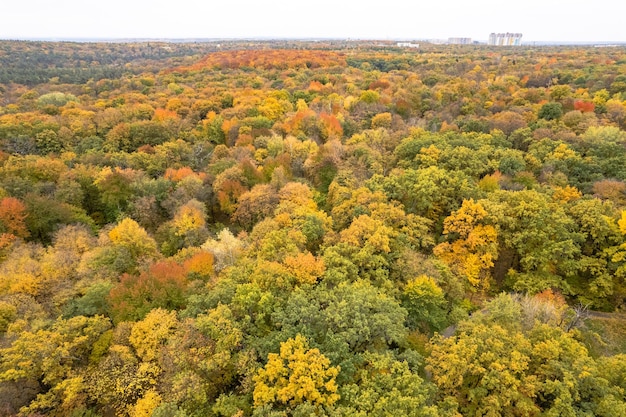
[
  {"x": 296, "y": 375},
  {"x": 475, "y": 249},
  {"x": 146, "y": 404},
  {"x": 566, "y": 194},
  {"x": 148, "y": 334},
  {"x": 306, "y": 268},
  {"x": 133, "y": 237},
  {"x": 200, "y": 264},
  {"x": 189, "y": 217}
]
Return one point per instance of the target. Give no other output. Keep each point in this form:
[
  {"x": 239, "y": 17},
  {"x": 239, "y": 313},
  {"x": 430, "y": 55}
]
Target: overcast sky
[{"x": 538, "y": 20}]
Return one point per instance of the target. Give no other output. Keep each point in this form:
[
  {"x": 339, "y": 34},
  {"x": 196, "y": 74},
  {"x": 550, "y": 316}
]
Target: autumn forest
[{"x": 312, "y": 229}]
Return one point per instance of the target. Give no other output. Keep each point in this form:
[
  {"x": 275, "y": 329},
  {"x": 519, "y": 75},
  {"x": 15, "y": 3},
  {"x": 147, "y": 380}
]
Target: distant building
[
  {"x": 505, "y": 39},
  {"x": 408, "y": 45},
  {"x": 460, "y": 41}
]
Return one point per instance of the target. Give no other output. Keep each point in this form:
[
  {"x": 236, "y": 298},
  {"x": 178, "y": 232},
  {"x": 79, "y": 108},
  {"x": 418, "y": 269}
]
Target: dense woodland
[{"x": 312, "y": 229}]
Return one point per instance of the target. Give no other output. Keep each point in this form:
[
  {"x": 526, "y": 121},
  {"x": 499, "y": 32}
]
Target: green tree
[
  {"x": 534, "y": 257},
  {"x": 386, "y": 387},
  {"x": 551, "y": 111},
  {"x": 425, "y": 304}
]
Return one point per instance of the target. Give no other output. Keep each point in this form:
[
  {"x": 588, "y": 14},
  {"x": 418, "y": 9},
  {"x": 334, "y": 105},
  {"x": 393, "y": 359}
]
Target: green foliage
[
  {"x": 487, "y": 368},
  {"x": 429, "y": 192},
  {"x": 386, "y": 386},
  {"x": 551, "y": 111},
  {"x": 93, "y": 302},
  {"x": 343, "y": 320},
  {"x": 279, "y": 228},
  {"x": 56, "y": 99},
  {"x": 425, "y": 304},
  {"x": 46, "y": 215},
  {"x": 545, "y": 255}
]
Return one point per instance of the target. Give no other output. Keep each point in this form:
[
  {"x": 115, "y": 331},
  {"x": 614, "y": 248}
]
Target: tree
[
  {"x": 226, "y": 248},
  {"x": 568, "y": 380},
  {"x": 48, "y": 141},
  {"x": 132, "y": 237},
  {"x": 187, "y": 228},
  {"x": 61, "y": 260},
  {"x": 381, "y": 120},
  {"x": 93, "y": 301},
  {"x": 429, "y": 192},
  {"x": 475, "y": 248},
  {"x": 534, "y": 257},
  {"x": 425, "y": 304},
  {"x": 56, "y": 99},
  {"x": 367, "y": 232},
  {"x": 200, "y": 265},
  {"x": 508, "y": 121},
  {"x": 551, "y": 111},
  {"x": 146, "y": 405},
  {"x": 115, "y": 191},
  {"x": 255, "y": 205},
  {"x": 117, "y": 379},
  {"x": 201, "y": 359},
  {"x": 366, "y": 244},
  {"x": 296, "y": 375},
  {"x": 149, "y": 334},
  {"x": 385, "y": 386},
  {"x": 46, "y": 216},
  {"x": 22, "y": 273},
  {"x": 12, "y": 220},
  {"x": 504, "y": 361},
  {"x": 344, "y": 321},
  {"x": 482, "y": 371},
  {"x": 190, "y": 217},
  {"x": 212, "y": 128},
  {"x": 229, "y": 186},
  {"x": 54, "y": 359},
  {"x": 162, "y": 286}
]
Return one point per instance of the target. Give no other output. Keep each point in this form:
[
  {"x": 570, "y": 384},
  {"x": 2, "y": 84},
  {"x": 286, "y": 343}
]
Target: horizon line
[{"x": 121, "y": 39}]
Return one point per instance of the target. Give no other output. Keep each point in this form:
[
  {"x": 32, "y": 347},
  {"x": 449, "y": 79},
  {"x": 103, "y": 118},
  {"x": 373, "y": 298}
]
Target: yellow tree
[
  {"x": 129, "y": 235},
  {"x": 190, "y": 217},
  {"x": 483, "y": 372},
  {"x": 295, "y": 376},
  {"x": 54, "y": 359},
  {"x": 305, "y": 267},
  {"x": 472, "y": 253},
  {"x": 146, "y": 405},
  {"x": 148, "y": 335}
]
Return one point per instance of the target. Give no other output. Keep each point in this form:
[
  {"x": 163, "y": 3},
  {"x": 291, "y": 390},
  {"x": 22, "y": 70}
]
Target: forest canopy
[{"x": 312, "y": 229}]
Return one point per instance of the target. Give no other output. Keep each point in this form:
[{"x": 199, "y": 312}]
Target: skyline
[{"x": 246, "y": 19}]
